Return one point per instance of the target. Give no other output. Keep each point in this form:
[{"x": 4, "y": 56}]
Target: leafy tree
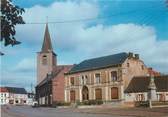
[{"x": 10, "y": 17}]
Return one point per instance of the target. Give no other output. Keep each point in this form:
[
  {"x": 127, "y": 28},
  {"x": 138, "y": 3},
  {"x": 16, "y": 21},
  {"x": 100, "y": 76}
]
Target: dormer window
[{"x": 44, "y": 60}]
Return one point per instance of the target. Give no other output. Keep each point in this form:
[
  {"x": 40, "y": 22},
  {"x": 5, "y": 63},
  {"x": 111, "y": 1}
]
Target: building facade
[
  {"x": 50, "y": 75},
  {"x": 4, "y": 93},
  {"x": 14, "y": 95},
  {"x": 104, "y": 78},
  {"x": 139, "y": 89}
]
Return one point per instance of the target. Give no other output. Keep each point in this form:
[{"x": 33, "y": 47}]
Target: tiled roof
[
  {"x": 3, "y": 89},
  {"x": 153, "y": 72},
  {"x": 57, "y": 70},
  {"x": 140, "y": 84},
  {"x": 16, "y": 90},
  {"x": 101, "y": 62}
]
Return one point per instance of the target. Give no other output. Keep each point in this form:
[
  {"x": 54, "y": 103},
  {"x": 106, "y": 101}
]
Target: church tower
[{"x": 46, "y": 58}]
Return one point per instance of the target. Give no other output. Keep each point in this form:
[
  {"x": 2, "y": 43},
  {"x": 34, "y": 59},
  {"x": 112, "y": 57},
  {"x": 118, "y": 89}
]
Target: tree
[{"x": 10, "y": 17}]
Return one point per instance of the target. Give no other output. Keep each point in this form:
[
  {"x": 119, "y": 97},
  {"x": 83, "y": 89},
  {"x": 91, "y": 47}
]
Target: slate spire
[{"x": 47, "y": 46}]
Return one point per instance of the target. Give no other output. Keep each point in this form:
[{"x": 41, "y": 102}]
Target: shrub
[
  {"x": 91, "y": 102},
  {"x": 55, "y": 104},
  {"x": 142, "y": 104}
]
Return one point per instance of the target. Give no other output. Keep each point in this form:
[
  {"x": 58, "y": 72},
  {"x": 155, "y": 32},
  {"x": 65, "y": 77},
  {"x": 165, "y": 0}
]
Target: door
[
  {"x": 85, "y": 93},
  {"x": 72, "y": 96},
  {"x": 98, "y": 94},
  {"x": 114, "y": 93}
]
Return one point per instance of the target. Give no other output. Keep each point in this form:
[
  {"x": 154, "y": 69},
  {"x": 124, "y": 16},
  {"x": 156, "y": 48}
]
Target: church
[
  {"x": 121, "y": 78},
  {"x": 50, "y": 75}
]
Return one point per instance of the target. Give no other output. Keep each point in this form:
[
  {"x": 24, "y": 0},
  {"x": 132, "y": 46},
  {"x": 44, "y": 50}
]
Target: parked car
[{"x": 35, "y": 104}]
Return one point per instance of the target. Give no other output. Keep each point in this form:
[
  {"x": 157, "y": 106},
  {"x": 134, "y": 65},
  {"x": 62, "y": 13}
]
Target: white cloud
[
  {"x": 95, "y": 40},
  {"x": 78, "y": 41},
  {"x": 26, "y": 65}
]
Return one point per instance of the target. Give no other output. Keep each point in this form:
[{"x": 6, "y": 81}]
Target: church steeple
[
  {"x": 47, "y": 46},
  {"x": 46, "y": 59}
]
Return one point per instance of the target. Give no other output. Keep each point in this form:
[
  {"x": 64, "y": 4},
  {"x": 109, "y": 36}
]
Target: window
[
  {"x": 140, "y": 97},
  {"x": 16, "y": 101},
  {"x": 128, "y": 64},
  {"x": 142, "y": 67},
  {"x": 44, "y": 60},
  {"x": 160, "y": 97},
  {"x": 86, "y": 79},
  {"x": 97, "y": 77},
  {"x": 72, "y": 81},
  {"x": 114, "y": 76},
  {"x": 82, "y": 80}
]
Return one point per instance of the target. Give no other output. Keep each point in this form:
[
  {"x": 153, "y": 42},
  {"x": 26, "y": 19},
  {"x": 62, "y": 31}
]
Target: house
[
  {"x": 17, "y": 96},
  {"x": 13, "y": 95},
  {"x": 4, "y": 93},
  {"x": 103, "y": 78},
  {"x": 50, "y": 75},
  {"x": 138, "y": 89}
]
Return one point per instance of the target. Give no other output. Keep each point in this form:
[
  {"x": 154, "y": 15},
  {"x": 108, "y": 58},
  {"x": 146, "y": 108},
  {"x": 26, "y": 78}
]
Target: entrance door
[
  {"x": 114, "y": 93},
  {"x": 98, "y": 94},
  {"x": 85, "y": 93},
  {"x": 72, "y": 96}
]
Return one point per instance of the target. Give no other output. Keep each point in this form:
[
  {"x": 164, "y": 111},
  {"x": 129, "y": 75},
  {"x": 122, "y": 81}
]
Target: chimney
[
  {"x": 136, "y": 56},
  {"x": 130, "y": 55}
]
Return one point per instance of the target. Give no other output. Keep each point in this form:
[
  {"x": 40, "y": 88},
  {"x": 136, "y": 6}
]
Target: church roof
[
  {"x": 100, "y": 62},
  {"x": 47, "y": 46},
  {"x": 55, "y": 73},
  {"x": 141, "y": 83}
]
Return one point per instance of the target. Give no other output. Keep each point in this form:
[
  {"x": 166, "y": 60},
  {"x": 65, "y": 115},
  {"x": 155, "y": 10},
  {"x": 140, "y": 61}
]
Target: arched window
[{"x": 44, "y": 60}]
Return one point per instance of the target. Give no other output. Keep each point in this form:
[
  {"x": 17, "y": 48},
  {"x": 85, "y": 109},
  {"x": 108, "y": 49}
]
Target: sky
[{"x": 88, "y": 29}]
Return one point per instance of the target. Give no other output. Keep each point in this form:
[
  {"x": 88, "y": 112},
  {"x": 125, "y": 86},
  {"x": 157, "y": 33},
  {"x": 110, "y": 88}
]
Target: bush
[
  {"x": 91, "y": 102},
  {"x": 55, "y": 104},
  {"x": 142, "y": 104}
]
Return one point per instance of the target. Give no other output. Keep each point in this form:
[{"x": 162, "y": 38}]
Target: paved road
[{"x": 26, "y": 111}]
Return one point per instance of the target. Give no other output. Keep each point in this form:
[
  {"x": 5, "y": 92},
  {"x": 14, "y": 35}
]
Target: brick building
[
  {"x": 104, "y": 78},
  {"x": 50, "y": 76}
]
